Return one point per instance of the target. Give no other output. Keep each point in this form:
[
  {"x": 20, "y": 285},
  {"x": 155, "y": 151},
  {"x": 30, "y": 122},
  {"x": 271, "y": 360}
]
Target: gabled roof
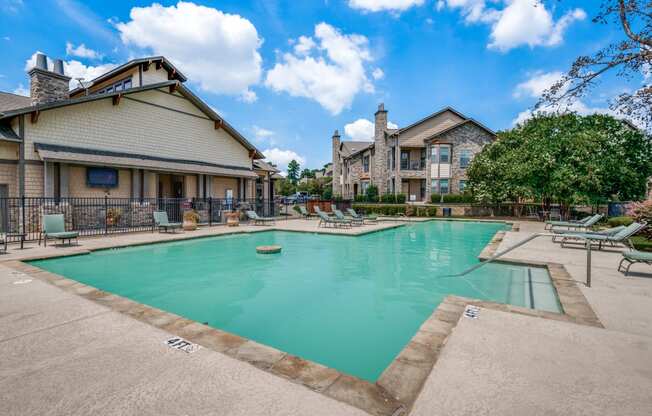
[
  {"x": 453, "y": 127},
  {"x": 9, "y": 101},
  {"x": 127, "y": 66},
  {"x": 262, "y": 165},
  {"x": 349, "y": 148},
  {"x": 435, "y": 114},
  {"x": 205, "y": 108}
]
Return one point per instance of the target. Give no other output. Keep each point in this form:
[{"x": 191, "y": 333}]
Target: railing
[
  {"x": 413, "y": 165},
  {"x": 108, "y": 215}
]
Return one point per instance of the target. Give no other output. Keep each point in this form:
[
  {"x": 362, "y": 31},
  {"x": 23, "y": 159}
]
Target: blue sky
[{"x": 287, "y": 73}]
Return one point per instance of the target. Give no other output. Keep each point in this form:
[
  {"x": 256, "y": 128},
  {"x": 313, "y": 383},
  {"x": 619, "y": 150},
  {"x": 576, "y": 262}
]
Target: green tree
[
  {"x": 372, "y": 193},
  {"x": 564, "y": 158},
  {"x": 285, "y": 187},
  {"x": 307, "y": 173},
  {"x": 293, "y": 171}
]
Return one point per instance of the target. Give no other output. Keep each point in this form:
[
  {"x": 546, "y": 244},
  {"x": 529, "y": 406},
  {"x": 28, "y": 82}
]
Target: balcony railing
[{"x": 413, "y": 165}]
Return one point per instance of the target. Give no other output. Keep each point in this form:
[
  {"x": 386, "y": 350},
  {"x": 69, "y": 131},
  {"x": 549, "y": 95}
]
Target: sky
[{"x": 286, "y": 74}]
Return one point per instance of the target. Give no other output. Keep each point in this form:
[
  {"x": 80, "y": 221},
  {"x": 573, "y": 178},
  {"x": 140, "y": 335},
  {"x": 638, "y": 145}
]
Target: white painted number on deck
[
  {"x": 472, "y": 312},
  {"x": 182, "y": 345}
]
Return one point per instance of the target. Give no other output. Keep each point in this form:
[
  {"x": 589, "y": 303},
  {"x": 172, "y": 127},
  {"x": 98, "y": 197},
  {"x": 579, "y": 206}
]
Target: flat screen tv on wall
[{"x": 102, "y": 177}]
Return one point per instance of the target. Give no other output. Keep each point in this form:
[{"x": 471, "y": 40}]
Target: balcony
[{"x": 413, "y": 165}]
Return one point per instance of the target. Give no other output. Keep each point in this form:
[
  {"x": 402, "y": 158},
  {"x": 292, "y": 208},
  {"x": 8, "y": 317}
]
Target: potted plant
[
  {"x": 113, "y": 216},
  {"x": 232, "y": 218},
  {"x": 190, "y": 220}
]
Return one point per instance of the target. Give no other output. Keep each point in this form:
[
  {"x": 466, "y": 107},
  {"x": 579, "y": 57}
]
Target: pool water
[{"x": 350, "y": 303}]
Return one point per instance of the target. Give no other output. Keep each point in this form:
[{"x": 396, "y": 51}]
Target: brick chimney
[
  {"x": 337, "y": 166},
  {"x": 380, "y": 171},
  {"x": 47, "y": 86}
]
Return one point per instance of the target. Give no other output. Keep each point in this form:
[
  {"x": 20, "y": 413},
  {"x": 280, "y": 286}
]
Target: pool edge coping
[{"x": 400, "y": 383}]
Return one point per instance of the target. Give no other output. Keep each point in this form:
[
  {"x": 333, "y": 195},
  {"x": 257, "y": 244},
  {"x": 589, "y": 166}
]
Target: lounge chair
[
  {"x": 54, "y": 227},
  {"x": 608, "y": 231},
  {"x": 325, "y": 221},
  {"x": 354, "y": 221},
  {"x": 579, "y": 226},
  {"x": 333, "y": 208},
  {"x": 531, "y": 212},
  {"x": 634, "y": 256},
  {"x": 162, "y": 223},
  {"x": 555, "y": 213},
  {"x": 304, "y": 212},
  {"x": 353, "y": 214},
  {"x": 592, "y": 238},
  {"x": 550, "y": 224},
  {"x": 318, "y": 210},
  {"x": 259, "y": 220}
]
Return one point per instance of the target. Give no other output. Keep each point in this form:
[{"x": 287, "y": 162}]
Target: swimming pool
[{"x": 350, "y": 303}]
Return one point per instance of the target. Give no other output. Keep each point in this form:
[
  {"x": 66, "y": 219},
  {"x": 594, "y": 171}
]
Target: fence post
[
  {"x": 106, "y": 214},
  {"x": 210, "y": 211},
  {"x": 22, "y": 202}
]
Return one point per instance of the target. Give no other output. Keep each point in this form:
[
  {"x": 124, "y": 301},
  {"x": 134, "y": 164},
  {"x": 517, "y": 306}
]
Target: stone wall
[{"x": 379, "y": 173}]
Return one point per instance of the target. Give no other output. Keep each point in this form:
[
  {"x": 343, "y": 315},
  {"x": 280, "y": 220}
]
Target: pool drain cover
[
  {"x": 472, "y": 312},
  {"x": 181, "y": 344}
]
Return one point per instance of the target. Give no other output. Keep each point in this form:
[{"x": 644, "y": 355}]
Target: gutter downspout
[{"x": 21, "y": 156}]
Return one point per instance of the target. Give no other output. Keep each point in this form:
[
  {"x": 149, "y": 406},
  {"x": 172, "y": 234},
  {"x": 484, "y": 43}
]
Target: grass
[{"x": 642, "y": 243}]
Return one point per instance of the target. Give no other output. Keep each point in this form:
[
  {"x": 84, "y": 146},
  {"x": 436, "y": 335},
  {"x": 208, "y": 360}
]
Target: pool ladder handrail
[{"x": 519, "y": 244}]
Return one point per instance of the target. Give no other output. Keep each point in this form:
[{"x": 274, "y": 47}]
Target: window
[
  {"x": 393, "y": 158},
  {"x": 444, "y": 154},
  {"x": 423, "y": 159},
  {"x": 123, "y": 84},
  {"x": 434, "y": 186},
  {"x": 443, "y": 186},
  {"x": 389, "y": 159},
  {"x": 465, "y": 158},
  {"x": 462, "y": 185},
  {"x": 365, "y": 163},
  {"x": 433, "y": 154},
  {"x": 102, "y": 177},
  {"x": 405, "y": 159},
  {"x": 364, "y": 186}
]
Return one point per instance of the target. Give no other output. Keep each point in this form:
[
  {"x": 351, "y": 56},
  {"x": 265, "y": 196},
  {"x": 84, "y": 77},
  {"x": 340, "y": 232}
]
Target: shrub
[
  {"x": 452, "y": 198},
  {"x": 388, "y": 199},
  {"x": 328, "y": 194},
  {"x": 360, "y": 198},
  {"x": 401, "y": 198},
  {"x": 372, "y": 193},
  {"x": 618, "y": 221},
  {"x": 395, "y": 209},
  {"x": 191, "y": 216},
  {"x": 642, "y": 211}
]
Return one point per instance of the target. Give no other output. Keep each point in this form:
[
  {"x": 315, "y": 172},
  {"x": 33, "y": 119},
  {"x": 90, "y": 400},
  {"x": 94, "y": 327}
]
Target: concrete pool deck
[{"x": 62, "y": 354}]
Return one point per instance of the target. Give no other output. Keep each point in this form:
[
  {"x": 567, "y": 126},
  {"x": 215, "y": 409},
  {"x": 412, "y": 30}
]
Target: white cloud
[
  {"x": 261, "y": 135},
  {"x": 362, "y": 130},
  {"x": 21, "y": 90},
  {"x": 535, "y": 87},
  {"x": 384, "y": 5},
  {"x": 74, "y": 69},
  {"x": 217, "y": 50},
  {"x": 281, "y": 158},
  {"x": 519, "y": 22},
  {"x": 332, "y": 72},
  {"x": 537, "y": 84},
  {"x": 304, "y": 45},
  {"x": 378, "y": 74},
  {"x": 82, "y": 51}
]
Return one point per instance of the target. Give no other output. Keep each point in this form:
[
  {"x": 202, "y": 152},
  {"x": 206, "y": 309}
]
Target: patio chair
[
  {"x": 325, "y": 221},
  {"x": 572, "y": 223},
  {"x": 370, "y": 218},
  {"x": 354, "y": 221},
  {"x": 555, "y": 214},
  {"x": 634, "y": 256},
  {"x": 253, "y": 217},
  {"x": 318, "y": 210},
  {"x": 619, "y": 238},
  {"x": 531, "y": 212},
  {"x": 162, "y": 223},
  {"x": 54, "y": 227},
  {"x": 304, "y": 212},
  {"x": 333, "y": 208},
  {"x": 579, "y": 226},
  {"x": 608, "y": 231}
]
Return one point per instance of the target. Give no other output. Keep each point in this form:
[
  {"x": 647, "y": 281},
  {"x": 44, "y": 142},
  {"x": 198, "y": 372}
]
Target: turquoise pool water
[{"x": 351, "y": 303}]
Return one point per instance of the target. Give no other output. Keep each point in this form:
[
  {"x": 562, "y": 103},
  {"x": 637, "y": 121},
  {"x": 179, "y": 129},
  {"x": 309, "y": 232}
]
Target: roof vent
[
  {"x": 58, "y": 67},
  {"x": 41, "y": 61}
]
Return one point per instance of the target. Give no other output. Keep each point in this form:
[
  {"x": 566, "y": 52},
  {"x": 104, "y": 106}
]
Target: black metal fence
[{"x": 107, "y": 215}]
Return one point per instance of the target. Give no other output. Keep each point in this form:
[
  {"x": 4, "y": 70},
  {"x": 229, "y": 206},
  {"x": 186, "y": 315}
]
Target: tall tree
[
  {"x": 564, "y": 158},
  {"x": 629, "y": 57},
  {"x": 293, "y": 171}
]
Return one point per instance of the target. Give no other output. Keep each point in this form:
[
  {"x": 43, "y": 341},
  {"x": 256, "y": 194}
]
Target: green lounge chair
[
  {"x": 608, "y": 231},
  {"x": 304, "y": 212},
  {"x": 584, "y": 224},
  {"x": 634, "y": 256},
  {"x": 618, "y": 238},
  {"x": 162, "y": 223},
  {"x": 354, "y": 221},
  {"x": 54, "y": 227},
  {"x": 325, "y": 221},
  {"x": 333, "y": 208},
  {"x": 318, "y": 210},
  {"x": 253, "y": 217},
  {"x": 353, "y": 214}
]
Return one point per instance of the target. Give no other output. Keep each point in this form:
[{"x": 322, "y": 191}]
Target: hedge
[
  {"x": 452, "y": 198},
  {"x": 617, "y": 221},
  {"x": 395, "y": 209}
]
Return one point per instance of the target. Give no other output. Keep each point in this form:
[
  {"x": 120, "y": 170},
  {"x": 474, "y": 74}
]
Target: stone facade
[
  {"x": 446, "y": 127},
  {"x": 46, "y": 86}
]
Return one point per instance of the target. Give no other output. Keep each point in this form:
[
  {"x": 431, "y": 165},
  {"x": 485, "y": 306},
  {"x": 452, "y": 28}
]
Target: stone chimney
[
  {"x": 337, "y": 165},
  {"x": 47, "y": 86},
  {"x": 381, "y": 170}
]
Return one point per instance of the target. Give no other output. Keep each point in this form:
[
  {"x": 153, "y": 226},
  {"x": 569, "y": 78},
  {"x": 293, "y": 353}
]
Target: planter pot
[
  {"x": 232, "y": 219},
  {"x": 189, "y": 226}
]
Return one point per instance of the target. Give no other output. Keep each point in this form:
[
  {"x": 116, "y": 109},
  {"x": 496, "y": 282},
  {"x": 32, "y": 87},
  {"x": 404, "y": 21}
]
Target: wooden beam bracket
[
  {"x": 218, "y": 124},
  {"x": 116, "y": 99},
  {"x": 34, "y": 116},
  {"x": 174, "y": 87}
]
